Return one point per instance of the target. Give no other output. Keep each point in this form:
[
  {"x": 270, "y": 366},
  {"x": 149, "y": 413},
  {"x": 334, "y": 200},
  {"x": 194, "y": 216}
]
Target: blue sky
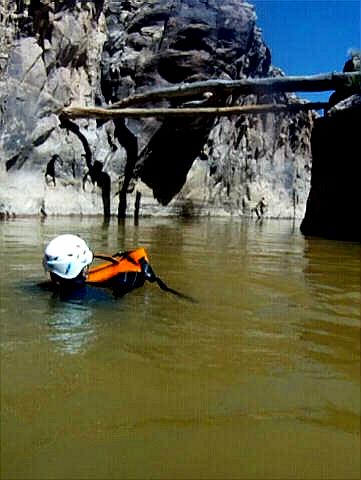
[{"x": 309, "y": 36}]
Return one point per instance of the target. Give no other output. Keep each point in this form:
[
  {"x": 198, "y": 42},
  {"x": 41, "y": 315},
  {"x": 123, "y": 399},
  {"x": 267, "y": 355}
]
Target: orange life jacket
[
  {"x": 132, "y": 261},
  {"x": 136, "y": 264}
]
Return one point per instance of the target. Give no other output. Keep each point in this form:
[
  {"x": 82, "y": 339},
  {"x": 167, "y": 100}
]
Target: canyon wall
[
  {"x": 85, "y": 53},
  {"x": 334, "y": 200}
]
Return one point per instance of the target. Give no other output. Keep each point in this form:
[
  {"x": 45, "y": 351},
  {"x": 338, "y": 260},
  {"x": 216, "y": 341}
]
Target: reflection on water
[
  {"x": 260, "y": 379},
  {"x": 69, "y": 328}
]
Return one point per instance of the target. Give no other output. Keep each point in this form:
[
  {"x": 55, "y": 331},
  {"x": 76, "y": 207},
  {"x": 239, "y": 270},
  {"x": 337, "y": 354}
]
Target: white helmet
[{"x": 66, "y": 256}]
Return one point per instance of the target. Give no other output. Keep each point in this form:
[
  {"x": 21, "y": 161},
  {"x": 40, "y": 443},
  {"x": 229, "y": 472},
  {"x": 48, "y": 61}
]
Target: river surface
[{"x": 258, "y": 380}]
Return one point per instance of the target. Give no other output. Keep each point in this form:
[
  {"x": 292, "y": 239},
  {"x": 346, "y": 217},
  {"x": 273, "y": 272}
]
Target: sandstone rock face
[{"x": 99, "y": 52}]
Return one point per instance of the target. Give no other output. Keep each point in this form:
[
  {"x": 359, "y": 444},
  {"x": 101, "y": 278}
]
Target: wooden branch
[
  {"x": 312, "y": 83},
  {"x": 108, "y": 114}
]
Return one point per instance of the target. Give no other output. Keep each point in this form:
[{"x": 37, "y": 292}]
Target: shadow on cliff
[{"x": 165, "y": 162}]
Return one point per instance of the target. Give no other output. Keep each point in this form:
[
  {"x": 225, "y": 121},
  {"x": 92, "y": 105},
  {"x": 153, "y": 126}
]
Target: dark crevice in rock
[
  {"x": 130, "y": 143},
  {"x": 42, "y": 138},
  {"x": 11, "y": 162},
  {"x": 71, "y": 126},
  {"x": 102, "y": 179},
  {"x": 148, "y": 19},
  {"x": 164, "y": 167}
]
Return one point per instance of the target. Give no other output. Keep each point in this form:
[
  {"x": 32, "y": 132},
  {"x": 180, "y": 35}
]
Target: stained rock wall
[{"x": 87, "y": 53}]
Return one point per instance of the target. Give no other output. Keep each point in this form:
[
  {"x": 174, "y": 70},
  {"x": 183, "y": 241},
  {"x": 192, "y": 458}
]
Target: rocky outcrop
[
  {"x": 334, "y": 199},
  {"x": 333, "y": 203},
  {"x": 99, "y": 52},
  {"x": 253, "y": 157},
  {"x": 54, "y": 61}
]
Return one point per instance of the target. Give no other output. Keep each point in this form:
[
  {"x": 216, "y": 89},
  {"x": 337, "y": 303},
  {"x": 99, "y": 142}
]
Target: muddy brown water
[{"x": 259, "y": 379}]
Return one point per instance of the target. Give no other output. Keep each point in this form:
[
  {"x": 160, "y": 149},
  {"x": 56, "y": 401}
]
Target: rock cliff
[
  {"x": 59, "y": 53},
  {"x": 333, "y": 202},
  {"x": 334, "y": 199}
]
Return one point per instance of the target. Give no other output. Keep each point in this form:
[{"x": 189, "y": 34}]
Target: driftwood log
[
  {"x": 259, "y": 86},
  {"x": 213, "y": 88},
  {"x": 108, "y": 114}
]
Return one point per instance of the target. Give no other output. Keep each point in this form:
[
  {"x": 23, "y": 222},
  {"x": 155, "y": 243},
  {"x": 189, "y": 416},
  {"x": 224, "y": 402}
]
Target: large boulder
[
  {"x": 233, "y": 162},
  {"x": 334, "y": 199}
]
